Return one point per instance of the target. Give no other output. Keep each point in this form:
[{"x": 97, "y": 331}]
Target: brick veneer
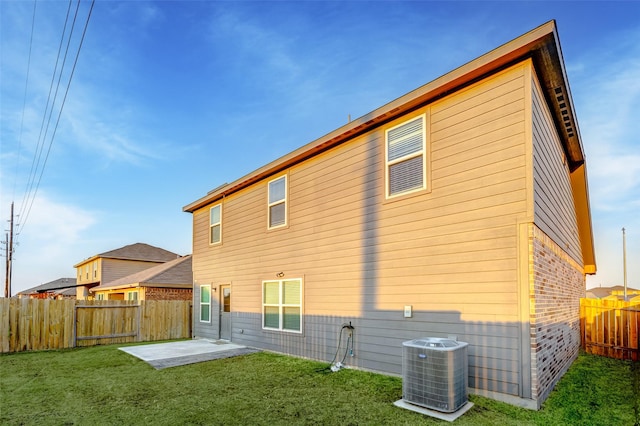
[
  {"x": 556, "y": 288},
  {"x": 159, "y": 293}
]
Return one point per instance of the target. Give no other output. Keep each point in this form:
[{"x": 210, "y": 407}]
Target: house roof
[
  {"x": 138, "y": 251},
  {"x": 602, "y": 292},
  {"x": 176, "y": 273},
  {"x": 65, "y": 292},
  {"x": 59, "y": 284},
  {"x": 541, "y": 45}
]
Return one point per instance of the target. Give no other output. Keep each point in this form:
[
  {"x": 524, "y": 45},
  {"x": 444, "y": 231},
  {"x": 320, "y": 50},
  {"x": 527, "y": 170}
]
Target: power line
[
  {"x": 84, "y": 31},
  {"x": 24, "y": 101},
  {"x": 40, "y": 145}
]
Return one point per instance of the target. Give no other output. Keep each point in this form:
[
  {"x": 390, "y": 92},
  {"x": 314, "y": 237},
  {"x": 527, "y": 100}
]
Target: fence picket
[
  {"x": 5, "y": 328},
  {"x": 611, "y": 328},
  {"x": 42, "y": 324}
]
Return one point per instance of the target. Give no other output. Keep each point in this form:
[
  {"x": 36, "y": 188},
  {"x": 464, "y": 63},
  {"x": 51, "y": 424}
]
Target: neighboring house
[
  {"x": 172, "y": 280},
  {"x": 461, "y": 208},
  {"x": 112, "y": 265},
  {"x": 614, "y": 293},
  {"x": 62, "y": 288}
]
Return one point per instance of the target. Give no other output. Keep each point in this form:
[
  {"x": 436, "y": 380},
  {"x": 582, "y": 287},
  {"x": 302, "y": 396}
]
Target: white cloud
[
  {"x": 264, "y": 46},
  {"x": 608, "y": 99},
  {"x": 149, "y": 14},
  {"x": 54, "y": 222},
  {"x": 614, "y": 181},
  {"x": 107, "y": 135},
  {"x": 94, "y": 120},
  {"x": 51, "y": 236}
]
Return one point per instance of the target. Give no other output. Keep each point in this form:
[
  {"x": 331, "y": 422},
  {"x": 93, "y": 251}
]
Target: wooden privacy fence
[
  {"x": 610, "y": 328},
  {"x": 41, "y": 324}
]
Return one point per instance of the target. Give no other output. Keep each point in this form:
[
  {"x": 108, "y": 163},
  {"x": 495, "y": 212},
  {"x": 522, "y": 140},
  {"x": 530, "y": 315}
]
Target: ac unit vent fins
[{"x": 435, "y": 373}]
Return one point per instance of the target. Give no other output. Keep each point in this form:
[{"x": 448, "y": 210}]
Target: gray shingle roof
[
  {"x": 602, "y": 292},
  {"x": 175, "y": 273},
  {"x": 60, "y": 283},
  {"x": 140, "y": 251}
]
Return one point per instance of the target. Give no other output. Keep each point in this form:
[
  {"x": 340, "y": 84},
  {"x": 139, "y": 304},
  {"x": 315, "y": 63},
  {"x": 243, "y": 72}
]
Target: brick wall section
[
  {"x": 159, "y": 293},
  {"x": 556, "y": 288}
]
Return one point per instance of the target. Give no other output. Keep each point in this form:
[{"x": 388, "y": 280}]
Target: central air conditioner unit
[{"x": 435, "y": 373}]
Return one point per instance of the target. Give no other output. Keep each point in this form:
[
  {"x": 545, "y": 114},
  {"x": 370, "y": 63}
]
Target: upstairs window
[
  {"x": 278, "y": 202},
  {"x": 215, "y": 224},
  {"x": 405, "y": 149}
]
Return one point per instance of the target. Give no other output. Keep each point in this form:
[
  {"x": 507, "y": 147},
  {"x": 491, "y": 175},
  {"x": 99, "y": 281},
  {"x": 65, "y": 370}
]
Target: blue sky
[{"x": 171, "y": 99}]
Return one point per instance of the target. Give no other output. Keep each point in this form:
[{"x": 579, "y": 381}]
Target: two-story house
[
  {"x": 171, "y": 280},
  {"x": 114, "y": 264},
  {"x": 460, "y": 208}
]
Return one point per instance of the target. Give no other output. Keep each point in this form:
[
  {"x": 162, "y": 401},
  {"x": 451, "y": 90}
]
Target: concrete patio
[{"x": 173, "y": 354}]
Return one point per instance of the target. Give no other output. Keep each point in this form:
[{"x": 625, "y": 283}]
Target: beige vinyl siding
[
  {"x": 113, "y": 269},
  {"x": 451, "y": 252},
  {"x": 81, "y": 272},
  {"x": 553, "y": 197}
]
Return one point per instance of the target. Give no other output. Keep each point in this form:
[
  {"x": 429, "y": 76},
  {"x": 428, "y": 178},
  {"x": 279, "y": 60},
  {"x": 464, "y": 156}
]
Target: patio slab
[{"x": 173, "y": 354}]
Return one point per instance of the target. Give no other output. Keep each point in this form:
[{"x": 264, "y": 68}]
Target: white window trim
[
  {"x": 423, "y": 152},
  {"x": 285, "y": 201},
  {"x": 211, "y": 225},
  {"x": 132, "y": 293},
  {"x": 281, "y": 305},
  {"x": 202, "y": 303}
]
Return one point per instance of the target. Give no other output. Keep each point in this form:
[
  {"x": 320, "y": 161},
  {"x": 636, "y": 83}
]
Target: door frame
[{"x": 224, "y": 326}]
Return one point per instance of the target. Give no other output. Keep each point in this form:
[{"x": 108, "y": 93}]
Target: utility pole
[
  {"x": 6, "y": 275},
  {"x": 624, "y": 262},
  {"x": 9, "y": 250}
]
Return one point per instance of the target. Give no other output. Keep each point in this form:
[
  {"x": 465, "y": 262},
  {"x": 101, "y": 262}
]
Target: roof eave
[
  {"x": 90, "y": 259},
  {"x": 541, "y": 44}
]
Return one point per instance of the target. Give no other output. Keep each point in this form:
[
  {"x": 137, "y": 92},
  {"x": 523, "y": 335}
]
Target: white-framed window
[
  {"x": 100, "y": 296},
  {"x": 132, "y": 295},
  {"x": 86, "y": 270},
  {"x": 215, "y": 224},
  {"x": 278, "y": 202},
  {"x": 406, "y": 157},
  {"x": 95, "y": 269},
  {"x": 282, "y": 305},
  {"x": 205, "y": 303}
]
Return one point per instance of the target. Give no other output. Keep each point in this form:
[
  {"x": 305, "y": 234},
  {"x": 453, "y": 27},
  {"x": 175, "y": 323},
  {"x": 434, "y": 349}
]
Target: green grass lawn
[{"x": 105, "y": 386}]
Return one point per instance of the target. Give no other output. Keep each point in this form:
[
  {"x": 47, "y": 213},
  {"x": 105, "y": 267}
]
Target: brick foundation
[{"x": 555, "y": 291}]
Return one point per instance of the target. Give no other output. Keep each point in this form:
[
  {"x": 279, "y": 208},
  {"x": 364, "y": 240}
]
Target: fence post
[
  {"x": 75, "y": 324},
  {"x": 139, "y": 320}
]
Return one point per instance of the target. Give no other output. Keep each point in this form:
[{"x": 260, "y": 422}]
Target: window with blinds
[
  {"x": 282, "y": 305},
  {"x": 215, "y": 224},
  {"x": 278, "y": 202},
  {"x": 205, "y": 303},
  {"x": 406, "y": 157}
]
